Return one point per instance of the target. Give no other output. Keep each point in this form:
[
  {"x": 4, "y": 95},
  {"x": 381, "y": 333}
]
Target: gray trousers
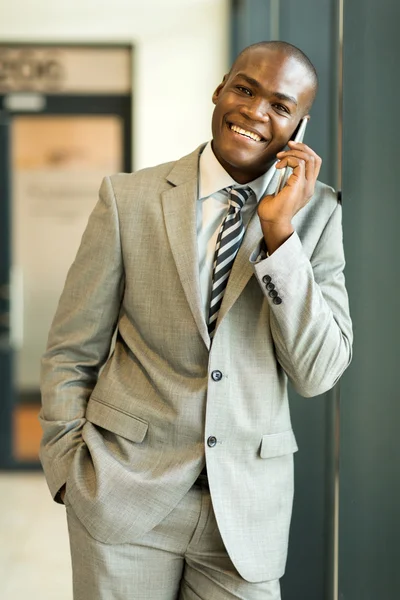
[{"x": 182, "y": 558}]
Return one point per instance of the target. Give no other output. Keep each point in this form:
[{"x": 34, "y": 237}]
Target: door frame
[{"x": 6, "y": 354}]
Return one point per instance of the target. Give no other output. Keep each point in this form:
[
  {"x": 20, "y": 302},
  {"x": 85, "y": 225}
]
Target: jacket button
[
  {"x": 277, "y": 300},
  {"x": 216, "y": 375},
  {"x": 266, "y": 278},
  {"x": 273, "y": 294},
  {"x": 211, "y": 442},
  {"x": 270, "y": 286}
]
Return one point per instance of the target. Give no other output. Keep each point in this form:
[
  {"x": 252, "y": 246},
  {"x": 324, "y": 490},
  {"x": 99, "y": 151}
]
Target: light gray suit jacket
[{"x": 132, "y": 440}]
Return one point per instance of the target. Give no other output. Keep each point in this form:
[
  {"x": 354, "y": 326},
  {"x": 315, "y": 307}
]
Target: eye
[
  {"x": 282, "y": 108},
  {"x": 244, "y": 90}
]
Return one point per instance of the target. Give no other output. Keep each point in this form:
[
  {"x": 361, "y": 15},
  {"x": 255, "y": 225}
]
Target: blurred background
[{"x": 91, "y": 88}]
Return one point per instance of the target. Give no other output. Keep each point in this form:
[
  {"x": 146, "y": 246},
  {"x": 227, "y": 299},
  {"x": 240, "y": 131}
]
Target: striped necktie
[{"x": 228, "y": 243}]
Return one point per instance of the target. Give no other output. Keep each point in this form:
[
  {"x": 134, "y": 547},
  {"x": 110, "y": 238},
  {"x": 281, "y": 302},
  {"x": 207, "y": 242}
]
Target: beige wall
[{"x": 181, "y": 53}]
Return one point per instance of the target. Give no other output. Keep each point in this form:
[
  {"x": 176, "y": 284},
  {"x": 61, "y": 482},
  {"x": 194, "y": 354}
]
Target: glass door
[
  {"x": 65, "y": 124},
  {"x": 57, "y": 164}
]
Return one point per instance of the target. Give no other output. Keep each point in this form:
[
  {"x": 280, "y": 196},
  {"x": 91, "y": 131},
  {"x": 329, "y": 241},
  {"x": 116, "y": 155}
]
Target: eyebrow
[{"x": 255, "y": 83}]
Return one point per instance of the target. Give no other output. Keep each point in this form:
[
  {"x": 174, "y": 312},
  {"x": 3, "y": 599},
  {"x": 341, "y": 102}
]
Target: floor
[{"x": 34, "y": 550}]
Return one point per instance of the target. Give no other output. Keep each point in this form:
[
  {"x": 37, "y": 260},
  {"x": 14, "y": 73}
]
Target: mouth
[{"x": 246, "y": 133}]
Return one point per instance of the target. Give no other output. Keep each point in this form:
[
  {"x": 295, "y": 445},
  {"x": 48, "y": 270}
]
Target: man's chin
[
  {"x": 241, "y": 161},
  {"x": 248, "y": 164}
]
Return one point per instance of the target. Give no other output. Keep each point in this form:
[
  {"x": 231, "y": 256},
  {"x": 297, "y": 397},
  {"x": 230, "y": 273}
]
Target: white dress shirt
[{"x": 212, "y": 207}]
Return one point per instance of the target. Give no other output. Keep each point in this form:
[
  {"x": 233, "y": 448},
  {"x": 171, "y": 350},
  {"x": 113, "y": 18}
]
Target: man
[{"x": 210, "y": 323}]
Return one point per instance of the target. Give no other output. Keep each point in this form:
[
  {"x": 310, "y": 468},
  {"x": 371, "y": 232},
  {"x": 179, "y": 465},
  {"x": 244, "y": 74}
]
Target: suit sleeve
[
  {"x": 309, "y": 317},
  {"x": 80, "y": 337}
]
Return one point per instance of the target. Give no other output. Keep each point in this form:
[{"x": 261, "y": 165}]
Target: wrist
[{"x": 275, "y": 234}]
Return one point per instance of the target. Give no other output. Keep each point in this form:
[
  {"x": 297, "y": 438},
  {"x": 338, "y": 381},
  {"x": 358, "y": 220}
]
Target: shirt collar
[{"x": 214, "y": 178}]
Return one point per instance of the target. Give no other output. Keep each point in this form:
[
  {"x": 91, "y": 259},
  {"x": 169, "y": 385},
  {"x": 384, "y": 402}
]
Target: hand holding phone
[
  {"x": 285, "y": 173},
  {"x": 301, "y": 166}
]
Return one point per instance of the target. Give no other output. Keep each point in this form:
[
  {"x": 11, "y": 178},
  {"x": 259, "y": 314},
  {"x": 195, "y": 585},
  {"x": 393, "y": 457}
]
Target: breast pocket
[{"x": 115, "y": 419}]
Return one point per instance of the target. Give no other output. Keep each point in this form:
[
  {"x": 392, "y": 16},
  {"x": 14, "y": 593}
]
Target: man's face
[{"x": 257, "y": 108}]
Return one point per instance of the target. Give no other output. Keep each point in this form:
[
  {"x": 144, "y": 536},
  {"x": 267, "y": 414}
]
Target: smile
[{"x": 245, "y": 133}]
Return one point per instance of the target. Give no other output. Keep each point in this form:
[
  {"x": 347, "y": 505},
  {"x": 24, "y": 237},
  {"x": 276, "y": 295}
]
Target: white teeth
[{"x": 249, "y": 134}]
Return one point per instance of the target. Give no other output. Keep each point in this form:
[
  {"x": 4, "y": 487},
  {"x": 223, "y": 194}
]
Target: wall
[
  {"x": 181, "y": 54},
  {"x": 370, "y": 406}
]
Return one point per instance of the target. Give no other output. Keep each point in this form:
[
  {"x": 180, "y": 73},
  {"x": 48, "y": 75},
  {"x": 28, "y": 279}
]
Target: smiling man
[{"x": 175, "y": 460}]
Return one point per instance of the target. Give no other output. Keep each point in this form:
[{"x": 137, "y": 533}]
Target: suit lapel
[{"x": 179, "y": 206}]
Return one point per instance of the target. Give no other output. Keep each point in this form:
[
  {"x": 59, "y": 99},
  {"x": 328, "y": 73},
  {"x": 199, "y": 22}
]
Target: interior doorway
[{"x": 58, "y": 150}]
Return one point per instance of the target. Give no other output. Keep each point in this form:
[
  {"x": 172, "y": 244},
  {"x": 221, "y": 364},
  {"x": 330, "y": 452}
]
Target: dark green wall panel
[{"x": 370, "y": 414}]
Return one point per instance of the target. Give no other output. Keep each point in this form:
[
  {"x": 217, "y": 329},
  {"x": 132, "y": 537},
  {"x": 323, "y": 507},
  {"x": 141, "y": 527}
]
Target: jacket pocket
[
  {"x": 278, "y": 444},
  {"x": 116, "y": 420}
]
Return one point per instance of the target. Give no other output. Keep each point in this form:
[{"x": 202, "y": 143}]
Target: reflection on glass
[{"x": 58, "y": 163}]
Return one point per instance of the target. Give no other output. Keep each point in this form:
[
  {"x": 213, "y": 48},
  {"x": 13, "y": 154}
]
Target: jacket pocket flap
[
  {"x": 116, "y": 420},
  {"x": 278, "y": 444}
]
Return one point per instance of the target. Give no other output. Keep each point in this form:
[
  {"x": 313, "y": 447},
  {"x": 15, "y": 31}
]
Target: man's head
[{"x": 259, "y": 105}]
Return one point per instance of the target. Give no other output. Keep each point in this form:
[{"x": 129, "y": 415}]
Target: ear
[{"x": 217, "y": 92}]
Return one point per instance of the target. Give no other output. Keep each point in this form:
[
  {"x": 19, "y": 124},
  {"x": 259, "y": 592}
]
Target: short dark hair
[{"x": 289, "y": 50}]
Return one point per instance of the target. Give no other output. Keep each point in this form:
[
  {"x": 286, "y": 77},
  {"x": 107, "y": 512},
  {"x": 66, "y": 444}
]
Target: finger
[
  {"x": 304, "y": 148},
  {"x": 298, "y": 176},
  {"x": 297, "y": 154},
  {"x": 312, "y": 164},
  {"x": 301, "y": 146},
  {"x": 301, "y": 153},
  {"x": 294, "y": 162},
  {"x": 301, "y": 177}
]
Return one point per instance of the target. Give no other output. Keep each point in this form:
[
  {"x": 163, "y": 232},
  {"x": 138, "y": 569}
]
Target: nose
[{"x": 257, "y": 110}]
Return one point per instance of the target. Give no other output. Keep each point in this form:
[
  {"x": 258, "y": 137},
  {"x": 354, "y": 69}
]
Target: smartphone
[{"x": 285, "y": 172}]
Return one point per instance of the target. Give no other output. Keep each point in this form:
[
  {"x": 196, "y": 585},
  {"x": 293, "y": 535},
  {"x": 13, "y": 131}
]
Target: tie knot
[{"x": 238, "y": 196}]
